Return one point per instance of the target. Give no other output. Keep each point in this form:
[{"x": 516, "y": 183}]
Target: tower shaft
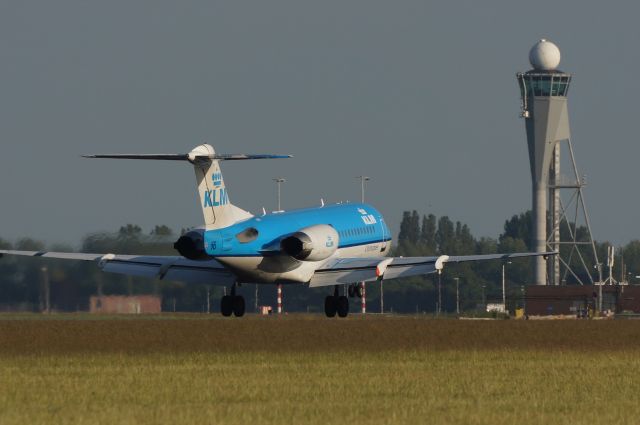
[
  {"x": 539, "y": 241},
  {"x": 547, "y": 123}
]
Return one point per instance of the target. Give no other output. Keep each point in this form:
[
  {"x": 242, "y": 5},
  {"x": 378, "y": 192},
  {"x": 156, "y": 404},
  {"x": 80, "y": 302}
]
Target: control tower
[{"x": 544, "y": 92}]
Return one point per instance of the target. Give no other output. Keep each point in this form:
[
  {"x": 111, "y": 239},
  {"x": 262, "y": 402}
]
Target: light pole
[
  {"x": 256, "y": 300},
  {"x": 279, "y": 181},
  {"x": 484, "y": 300},
  {"x": 362, "y": 180},
  {"x": 457, "y": 279},
  {"x": 45, "y": 300},
  {"x": 381, "y": 296},
  {"x": 208, "y": 300},
  {"x": 364, "y": 294},
  {"x": 504, "y": 293},
  {"x": 439, "y": 292}
]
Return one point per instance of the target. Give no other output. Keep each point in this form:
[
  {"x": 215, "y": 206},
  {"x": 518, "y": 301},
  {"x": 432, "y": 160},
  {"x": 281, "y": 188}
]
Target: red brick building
[
  {"x": 122, "y": 304},
  {"x": 567, "y": 300}
]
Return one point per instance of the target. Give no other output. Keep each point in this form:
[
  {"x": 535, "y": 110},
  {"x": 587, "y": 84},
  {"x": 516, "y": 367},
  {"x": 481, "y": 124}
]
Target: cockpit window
[{"x": 247, "y": 235}]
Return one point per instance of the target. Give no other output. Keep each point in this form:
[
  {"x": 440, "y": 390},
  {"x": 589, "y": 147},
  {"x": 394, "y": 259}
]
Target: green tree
[
  {"x": 519, "y": 226},
  {"x": 445, "y": 235},
  {"x": 161, "y": 231},
  {"x": 428, "y": 234},
  {"x": 409, "y": 234}
]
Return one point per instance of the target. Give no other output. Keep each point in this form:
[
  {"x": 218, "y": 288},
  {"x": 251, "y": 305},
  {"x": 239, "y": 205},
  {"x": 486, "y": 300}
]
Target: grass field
[{"x": 308, "y": 369}]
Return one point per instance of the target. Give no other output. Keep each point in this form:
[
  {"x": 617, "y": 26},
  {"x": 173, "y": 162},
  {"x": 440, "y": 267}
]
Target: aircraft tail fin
[{"x": 216, "y": 207}]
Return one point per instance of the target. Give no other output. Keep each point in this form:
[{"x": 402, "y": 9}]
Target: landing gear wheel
[
  {"x": 330, "y": 306},
  {"x": 343, "y": 306},
  {"x": 226, "y": 305},
  {"x": 238, "y": 306},
  {"x": 359, "y": 291}
]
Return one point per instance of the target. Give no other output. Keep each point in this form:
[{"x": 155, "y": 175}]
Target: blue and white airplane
[{"x": 329, "y": 245}]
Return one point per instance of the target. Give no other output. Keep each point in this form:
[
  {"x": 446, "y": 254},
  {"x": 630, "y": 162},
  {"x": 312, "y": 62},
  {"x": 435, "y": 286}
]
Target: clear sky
[{"x": 419, "y": 95}]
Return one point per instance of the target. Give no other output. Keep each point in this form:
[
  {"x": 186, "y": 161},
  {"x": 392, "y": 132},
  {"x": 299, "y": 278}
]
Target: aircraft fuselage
[{"x": 252, "y": 248}]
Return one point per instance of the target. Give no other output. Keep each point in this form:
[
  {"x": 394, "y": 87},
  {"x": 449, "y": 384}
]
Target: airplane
[{"x": 327, "y": 245}]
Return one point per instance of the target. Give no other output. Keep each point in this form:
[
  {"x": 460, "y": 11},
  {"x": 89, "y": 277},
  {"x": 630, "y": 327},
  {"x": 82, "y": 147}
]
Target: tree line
[{"x": 73, "y": 282}]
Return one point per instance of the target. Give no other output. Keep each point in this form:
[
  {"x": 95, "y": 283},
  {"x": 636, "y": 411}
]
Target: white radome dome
[{"x": 544, "y": 56}]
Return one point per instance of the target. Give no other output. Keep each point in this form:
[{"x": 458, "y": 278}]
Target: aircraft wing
[
  {"x": 353, "y": 270},
  {"x": 156, "y": 267}
]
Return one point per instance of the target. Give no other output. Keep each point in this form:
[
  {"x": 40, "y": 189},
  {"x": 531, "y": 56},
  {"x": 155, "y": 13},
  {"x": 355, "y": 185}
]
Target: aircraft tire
[
  {"x": 238, "y": 306},
  {"x": 343, "y": 306},
  {"x": 226, "y": 305},
  {"x": 359, "y": 291},
  {"x": 330, "y": 306}
]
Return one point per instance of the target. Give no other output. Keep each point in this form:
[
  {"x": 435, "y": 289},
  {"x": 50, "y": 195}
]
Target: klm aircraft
[{"x": 329, "y": 245}]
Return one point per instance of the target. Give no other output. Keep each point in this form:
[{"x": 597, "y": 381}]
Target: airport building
[
  {"x": 123, "y": 304},
  {"x": 580, "y": 300}
]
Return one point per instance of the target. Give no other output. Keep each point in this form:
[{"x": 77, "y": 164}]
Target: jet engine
[
  {"x": 191, "y": 245},
  {"x": 312, "y": 243}
]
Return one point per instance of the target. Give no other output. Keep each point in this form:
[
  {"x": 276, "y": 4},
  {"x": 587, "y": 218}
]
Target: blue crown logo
[{"x": 217, "y": 179}]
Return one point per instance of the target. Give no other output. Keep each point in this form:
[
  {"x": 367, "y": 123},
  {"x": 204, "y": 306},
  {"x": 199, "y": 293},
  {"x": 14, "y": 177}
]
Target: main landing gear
[
  {"x": 355, "y": 290},
  {"x": 336, "y": 303},
  {"x": 232, "y": 304},
  {"x": 339, "y": 304}
]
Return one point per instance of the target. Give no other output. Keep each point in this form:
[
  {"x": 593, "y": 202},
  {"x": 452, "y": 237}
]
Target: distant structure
[
  {"x": 544, "y": 92},
  {"x": 121, "y": 304}
]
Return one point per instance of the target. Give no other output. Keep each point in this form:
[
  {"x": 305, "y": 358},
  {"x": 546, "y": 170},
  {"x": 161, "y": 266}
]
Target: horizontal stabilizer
[
  {"x": 160, "y": 157},
  {"x": 190, "y": 157}
]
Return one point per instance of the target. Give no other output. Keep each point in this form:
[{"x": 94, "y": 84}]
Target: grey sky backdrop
[{"x": 419, "y": 95}]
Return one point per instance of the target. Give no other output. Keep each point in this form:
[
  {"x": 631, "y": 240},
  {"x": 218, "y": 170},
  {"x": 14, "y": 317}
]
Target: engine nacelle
[
  {"x": 312, "y": 243},
  {"x": 191, "y": 245}
]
